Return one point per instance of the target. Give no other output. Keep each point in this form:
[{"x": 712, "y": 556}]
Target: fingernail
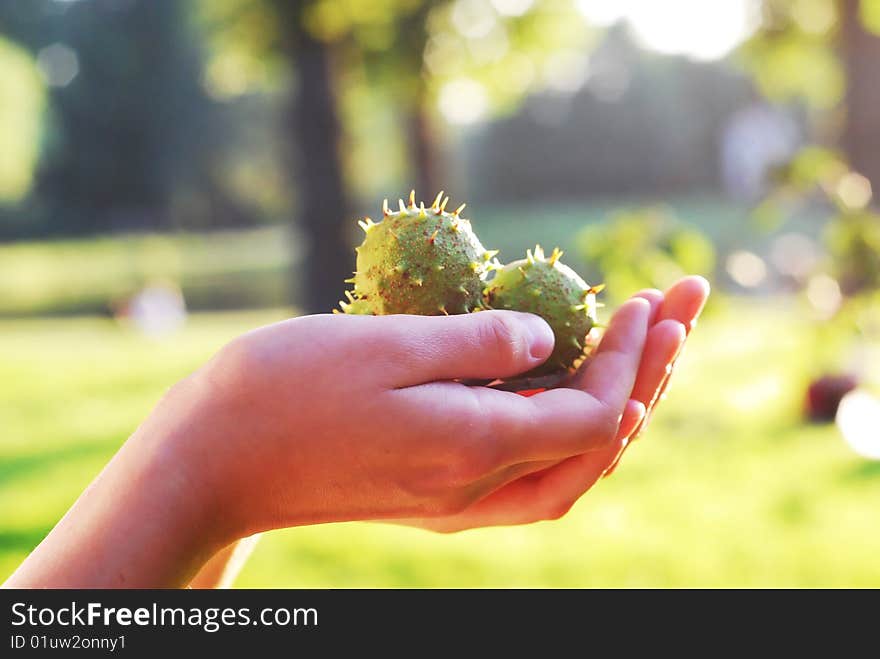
[
  {"x": 613, "y": 466},
  {"x": 540, "y": 335},
  {"x": 706, "y": 291},
  {"x": 682, "y": 338}
]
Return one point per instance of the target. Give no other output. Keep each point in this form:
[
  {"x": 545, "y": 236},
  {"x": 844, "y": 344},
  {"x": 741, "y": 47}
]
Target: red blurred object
[
  {"x": 824, "y": 395},
  {"x": 530, "y": 392}
]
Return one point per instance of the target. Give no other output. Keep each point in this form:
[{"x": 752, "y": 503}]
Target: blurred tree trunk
[
  {"x": 424, "y": 154},
  {"x": 861, "y": 57},
  {"x": 312, "y": 127}
]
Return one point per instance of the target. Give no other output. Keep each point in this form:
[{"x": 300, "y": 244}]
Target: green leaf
[{"x": 870, "y": 13}]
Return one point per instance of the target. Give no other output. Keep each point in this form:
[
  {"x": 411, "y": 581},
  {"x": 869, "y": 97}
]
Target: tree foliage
[
  {"x": 826, "y": 53},
  {"x": 22, "y": 100},
  {"x": 129, "y": 128}
]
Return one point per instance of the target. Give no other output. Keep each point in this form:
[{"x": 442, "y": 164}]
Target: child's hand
[
  {"x": 329, "y": 418},
  {"x": 548, "y": 494}
]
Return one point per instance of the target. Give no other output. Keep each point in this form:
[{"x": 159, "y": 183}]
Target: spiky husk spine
[
  {"x": 419, "y": 260},
  {"x": 546, "y": 287}
]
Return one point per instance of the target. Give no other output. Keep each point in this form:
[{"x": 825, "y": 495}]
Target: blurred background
[{"x": 173, "y": 174}]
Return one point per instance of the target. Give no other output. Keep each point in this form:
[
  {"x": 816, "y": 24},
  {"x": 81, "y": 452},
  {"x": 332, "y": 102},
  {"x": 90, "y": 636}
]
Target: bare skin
[
  {"x": 338, "y": 418},
  {"x": 224, "y": 566}
]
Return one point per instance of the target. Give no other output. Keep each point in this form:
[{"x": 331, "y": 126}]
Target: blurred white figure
[
  {"x": 858, "y": 418},
  {"x": 755, "y": 140},
  {"x": 746, "y": 268},
  {"x": 796, "y": 255},
  {"x": 158, "y": 309}
]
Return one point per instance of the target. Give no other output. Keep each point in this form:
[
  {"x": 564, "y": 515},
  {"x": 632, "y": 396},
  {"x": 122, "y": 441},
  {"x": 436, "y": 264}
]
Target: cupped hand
[
  {"x": 550, "y": 489},
  {"x": 333, "y": 418}
]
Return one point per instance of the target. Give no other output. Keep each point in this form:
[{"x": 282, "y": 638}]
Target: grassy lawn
[
  {"x": 223, "y": 269},
  {"x": 250, "y": 268},
  {"x": 727, "y": 489}
]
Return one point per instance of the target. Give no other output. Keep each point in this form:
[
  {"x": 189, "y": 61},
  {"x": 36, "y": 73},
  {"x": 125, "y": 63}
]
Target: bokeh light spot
[
  {"x": 824, "y": 295},
  {"x": 704, "y": 30},
  {"x": 512, "y": 7},
  {"x": 746, "y": 268},
  {"x": 858, "y": 419},
  {"x": 473, "y": 18},
  {"x": 463, "y": 101},
  {"x": 58, "y": 64},
  {"x": 854, "y": 191}
]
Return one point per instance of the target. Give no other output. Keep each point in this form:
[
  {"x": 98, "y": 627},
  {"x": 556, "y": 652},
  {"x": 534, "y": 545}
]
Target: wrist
[
  {"x": 146, "y": 521},
  {"x": 179, "y": 451},
  {"x": 167, "y": 515}
]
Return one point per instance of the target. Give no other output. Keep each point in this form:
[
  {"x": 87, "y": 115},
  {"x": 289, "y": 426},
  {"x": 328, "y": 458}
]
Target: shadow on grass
[
  {"x": 22, "y": 540},
  {"x": 793, "y": 509},
  {"x": 23, "y": 465},
  {"x": 863, "y": 471}
]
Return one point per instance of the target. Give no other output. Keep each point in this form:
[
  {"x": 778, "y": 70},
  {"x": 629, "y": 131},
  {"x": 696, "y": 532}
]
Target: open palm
[{"x": 548, "y": 490}]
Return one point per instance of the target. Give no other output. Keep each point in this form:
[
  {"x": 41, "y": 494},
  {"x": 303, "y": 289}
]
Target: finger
[
  {"x": 662, "y": 346},
  {"x": 632, "y": 417},
  {"x": 569, "y": 481},
  {"x": 573, "y": 485},
  {"x": 561, "y": 422},
  {"x": 489, "y": 344},
  {"x": 616, "y": 462},
  {"x": 515, "y": 497},
  {"x": 611, "y": 372},
  {"x": 684, "y": 301},
  {"x": 551, "y": 493},
  {"x": 570, "y": 423},
  {"x": 655, "y": 298},
  {"x": 660, "y": 395},
  {"x": 657, "y": 367},
  {"x": 627, "y": 429},
  {"x": 545, "y": 495},
  {"x": 492, "y": 430}
]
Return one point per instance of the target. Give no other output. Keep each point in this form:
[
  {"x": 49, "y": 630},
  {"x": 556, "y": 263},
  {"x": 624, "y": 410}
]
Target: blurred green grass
[
  {"x": 216, "y": 270},
  {"x": 727, "y": 489},
  {"x": 251, "y": 268}
]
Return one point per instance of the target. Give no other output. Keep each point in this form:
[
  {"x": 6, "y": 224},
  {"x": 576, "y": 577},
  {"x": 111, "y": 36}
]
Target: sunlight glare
[
  {"x": 858, "y": 418},
  {"x": 463, "y": 101},
  {"x": 512, "y": 7},
  {"x": 704, "y": 30},
  {"x": 746, "y": 268}
]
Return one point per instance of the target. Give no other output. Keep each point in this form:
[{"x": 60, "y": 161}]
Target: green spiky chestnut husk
[
  {"x": 418, "y": 260},
  {"x": 552, "y": 290}
]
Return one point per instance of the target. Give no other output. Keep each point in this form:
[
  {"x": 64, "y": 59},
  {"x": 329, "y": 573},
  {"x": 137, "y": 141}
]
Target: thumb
[{"x": 487, "y": 344}]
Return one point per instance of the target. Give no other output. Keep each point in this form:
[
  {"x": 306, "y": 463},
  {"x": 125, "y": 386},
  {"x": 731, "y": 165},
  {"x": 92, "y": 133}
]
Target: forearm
[
  {"x": 224, "y": 566},
  {"x": 147, "y": 520}
]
